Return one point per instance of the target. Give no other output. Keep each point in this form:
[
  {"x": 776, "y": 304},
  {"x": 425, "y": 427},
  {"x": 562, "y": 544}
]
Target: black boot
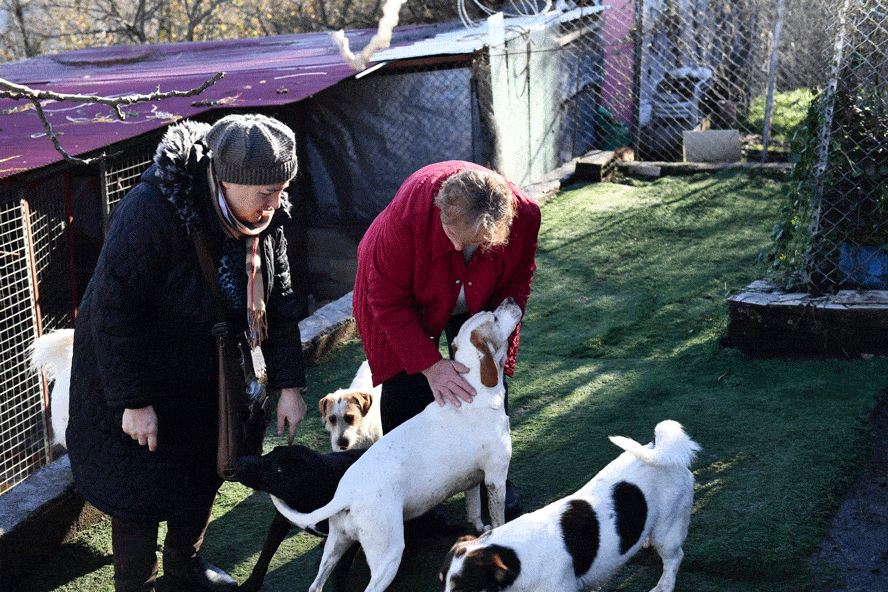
[
  {"x": 514, "y": 503},
  {"x": 182, "y": 563},
  {"x": 134, "y": 545},
  {"x": 195, "y": 571}
]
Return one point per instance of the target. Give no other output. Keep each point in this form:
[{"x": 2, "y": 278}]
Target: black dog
[{"x": 304, "y": 479}]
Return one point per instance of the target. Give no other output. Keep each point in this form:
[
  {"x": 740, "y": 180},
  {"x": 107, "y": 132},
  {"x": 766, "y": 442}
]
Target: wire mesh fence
[
  {"x": 120, "y": 174},
  {"x": 834, "y": 232},
  {"x": 33, "y": 253}
]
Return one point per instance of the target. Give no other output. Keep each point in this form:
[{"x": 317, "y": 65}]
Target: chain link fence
[
  {"x": 747, "y": 65},
  {"x": 834, "y": 232}
]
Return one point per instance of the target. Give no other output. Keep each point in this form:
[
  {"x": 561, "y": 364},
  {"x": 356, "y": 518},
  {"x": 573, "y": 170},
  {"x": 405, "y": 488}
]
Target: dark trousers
[
  {"x": 405, "y": 395},
  {"x": 134, "y": 545}
]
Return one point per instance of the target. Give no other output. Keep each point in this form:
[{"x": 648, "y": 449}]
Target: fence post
[
  {"x": 33, "y": 291},
  {"x": 103, "y": 185},
  {"x": 772, "y": 75},
  {"x": 637, "y": 38},
  {"x": 825, "y": 131}
]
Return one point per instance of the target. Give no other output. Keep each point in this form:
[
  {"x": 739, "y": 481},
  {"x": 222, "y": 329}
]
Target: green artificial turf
[{"x": 622, "y": 331}]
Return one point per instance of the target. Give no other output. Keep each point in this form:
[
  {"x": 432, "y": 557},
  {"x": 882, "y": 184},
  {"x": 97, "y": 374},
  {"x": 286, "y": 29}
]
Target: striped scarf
[{"x": 234, "y": 228}]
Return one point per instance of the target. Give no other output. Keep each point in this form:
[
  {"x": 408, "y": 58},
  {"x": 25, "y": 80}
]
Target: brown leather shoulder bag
[{"x": 244, "y": 404}]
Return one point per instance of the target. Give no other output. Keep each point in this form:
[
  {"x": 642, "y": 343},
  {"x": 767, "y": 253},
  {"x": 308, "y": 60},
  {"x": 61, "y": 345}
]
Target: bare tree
[
  {"x": 18, "y": 37},
  {"x": 37, "y": 26}
]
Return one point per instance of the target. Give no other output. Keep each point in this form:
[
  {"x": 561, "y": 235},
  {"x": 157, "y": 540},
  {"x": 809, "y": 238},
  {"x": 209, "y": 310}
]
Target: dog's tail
[
  {"x": 671, "y": 446},
  {"x": 312, "y": 518},
  {"x": 52, "y": 352}
]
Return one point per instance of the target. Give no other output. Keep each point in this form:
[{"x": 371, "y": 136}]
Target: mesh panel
[
  {"x": 23, "y": 443},
  {"x": 122, "y": 174}
]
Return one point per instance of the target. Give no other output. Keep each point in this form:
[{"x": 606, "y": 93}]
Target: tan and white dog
[
  {"x": 644, "y": 496},
  {"x": 352, "y": 415},
  {"x": 52, "y": 353},
  {"x": 425, "y": 460}
]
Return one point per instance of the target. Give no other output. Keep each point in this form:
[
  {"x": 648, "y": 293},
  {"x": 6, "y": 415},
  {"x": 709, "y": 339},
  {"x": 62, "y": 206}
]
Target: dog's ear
[
  {"x": 500, "y": 569},
  {"x": 505, "y": 563},
  {"x": 325, "y": 405},
  {"x": 364, "y": 401},
  {"x": 489, "y": 368}
]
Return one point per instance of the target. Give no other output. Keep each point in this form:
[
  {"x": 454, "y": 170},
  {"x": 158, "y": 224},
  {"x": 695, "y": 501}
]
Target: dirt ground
[{"x": 855, "y": 552}]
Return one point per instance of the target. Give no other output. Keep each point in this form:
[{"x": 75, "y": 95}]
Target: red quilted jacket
[{"x": 409, "y": 275}]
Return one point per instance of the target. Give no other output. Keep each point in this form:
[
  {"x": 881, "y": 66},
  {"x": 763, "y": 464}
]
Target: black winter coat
[{"x": 144, "y": 337}]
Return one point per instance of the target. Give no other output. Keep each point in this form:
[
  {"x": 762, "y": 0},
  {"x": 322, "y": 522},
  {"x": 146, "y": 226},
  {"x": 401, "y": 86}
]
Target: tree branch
[{"x": 18, "y": 92}]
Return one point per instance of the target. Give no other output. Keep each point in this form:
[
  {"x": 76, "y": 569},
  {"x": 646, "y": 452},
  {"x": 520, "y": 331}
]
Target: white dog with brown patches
[
  {"x": 352, "y": 415},
  {"x": 644, "y": 496},
  {"x": 425, "y": 460}
]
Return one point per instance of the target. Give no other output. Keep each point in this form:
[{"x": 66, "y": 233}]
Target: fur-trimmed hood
[{"x": 180, "y": 175}]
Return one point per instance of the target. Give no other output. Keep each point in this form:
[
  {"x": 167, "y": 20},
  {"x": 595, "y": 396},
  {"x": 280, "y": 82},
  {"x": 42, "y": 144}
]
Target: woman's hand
[
  {"x": 141, "y": 425},
  {"x": 291, "y": 411},
  {"x": 445, "y": 378}
]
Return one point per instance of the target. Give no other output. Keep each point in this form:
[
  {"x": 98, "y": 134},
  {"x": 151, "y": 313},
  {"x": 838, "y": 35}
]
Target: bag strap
[
  {"x": 209, "y": 270},
  {"x": 228, "y": 445},
  {"x": 220, "y": 330}
]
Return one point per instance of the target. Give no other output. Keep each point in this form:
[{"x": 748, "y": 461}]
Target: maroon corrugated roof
[{"x": 259, "y": 72}]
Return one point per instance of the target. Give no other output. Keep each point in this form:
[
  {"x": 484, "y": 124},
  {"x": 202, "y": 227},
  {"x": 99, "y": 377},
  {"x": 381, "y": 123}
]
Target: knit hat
[{"x": 252, "y": 150}]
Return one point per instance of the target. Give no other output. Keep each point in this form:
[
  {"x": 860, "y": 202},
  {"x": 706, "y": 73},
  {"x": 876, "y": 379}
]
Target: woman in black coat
[{"x": 144, "y": 401}]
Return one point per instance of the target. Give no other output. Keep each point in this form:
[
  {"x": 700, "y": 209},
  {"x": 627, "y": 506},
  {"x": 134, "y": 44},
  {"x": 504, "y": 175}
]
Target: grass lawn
[
  {"x": 622, "y": 331},
  {"x": 788, "y": 112}
]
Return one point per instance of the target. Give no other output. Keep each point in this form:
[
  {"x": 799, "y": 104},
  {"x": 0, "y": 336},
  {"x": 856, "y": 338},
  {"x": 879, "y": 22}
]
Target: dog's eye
[
  {"x": 349, "y": 419},
  {"x": 332, "y": 420}
]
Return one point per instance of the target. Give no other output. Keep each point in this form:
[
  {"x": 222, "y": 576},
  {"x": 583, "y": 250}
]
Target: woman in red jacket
[{"x": 456, "y": 239}]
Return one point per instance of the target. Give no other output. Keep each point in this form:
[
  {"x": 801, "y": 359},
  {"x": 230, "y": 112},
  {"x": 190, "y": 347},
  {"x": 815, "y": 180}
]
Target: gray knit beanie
[{"x": 252, "y": 150}]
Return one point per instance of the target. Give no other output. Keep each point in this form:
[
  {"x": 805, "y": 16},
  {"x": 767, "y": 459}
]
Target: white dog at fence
[{"x": 52, "y": 353}]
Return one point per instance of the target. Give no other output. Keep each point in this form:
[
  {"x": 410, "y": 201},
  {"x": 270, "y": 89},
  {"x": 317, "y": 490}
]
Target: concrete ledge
[
  {"x": 327, "y": 327},
  {"x": 767, "y": 322},
  {"x": 542, "y": 190},
  {"x": 45, "y": 510},
  {"x": 38, "y": 515}
]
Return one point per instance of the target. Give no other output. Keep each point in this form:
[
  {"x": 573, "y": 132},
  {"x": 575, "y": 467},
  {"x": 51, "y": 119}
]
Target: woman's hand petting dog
[
  {"x": 141, "y": 425},
  {"x": 291, "y": 411},
  {"x": 448, "y": 384}
]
